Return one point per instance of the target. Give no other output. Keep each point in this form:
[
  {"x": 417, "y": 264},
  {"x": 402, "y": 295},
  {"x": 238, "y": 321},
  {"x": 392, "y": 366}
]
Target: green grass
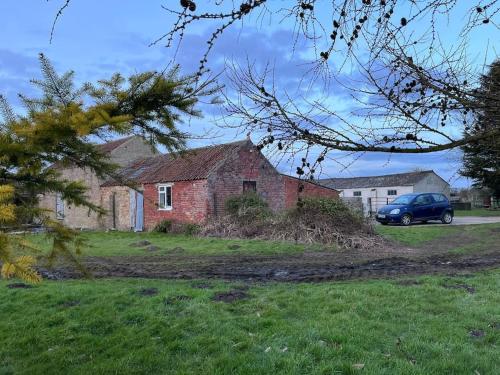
[
  {"x": 416, "y": 234},
  {"x": 482, "y": 234},
  {"x": 104, "y": 327},
  {"x": 477, "y": 212},
  {"x": 118, "y": 243}
]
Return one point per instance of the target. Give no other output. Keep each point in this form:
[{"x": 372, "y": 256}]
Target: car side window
[
  {"x": 439, "y": 198},
  {"x": 423, "y": 200}
]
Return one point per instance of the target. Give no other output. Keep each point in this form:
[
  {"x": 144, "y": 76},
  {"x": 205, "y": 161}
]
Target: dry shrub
[
  {"x": 174, "y": 227},
  {"x": 314, "y": 220}
]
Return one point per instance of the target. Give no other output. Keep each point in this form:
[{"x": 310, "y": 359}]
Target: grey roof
[{"x": 399, "y": 179}]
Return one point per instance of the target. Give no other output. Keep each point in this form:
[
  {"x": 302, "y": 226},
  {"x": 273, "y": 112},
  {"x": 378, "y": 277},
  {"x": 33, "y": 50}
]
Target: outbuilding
[{"x": 188, "y": 187}]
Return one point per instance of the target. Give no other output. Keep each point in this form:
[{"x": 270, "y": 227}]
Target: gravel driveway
[{"x": 464, "y": 220}]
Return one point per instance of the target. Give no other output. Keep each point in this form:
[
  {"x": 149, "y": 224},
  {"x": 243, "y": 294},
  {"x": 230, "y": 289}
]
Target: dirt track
[
  {"x": 384, "y": 261},
  {"x": 305, "y": 267}
]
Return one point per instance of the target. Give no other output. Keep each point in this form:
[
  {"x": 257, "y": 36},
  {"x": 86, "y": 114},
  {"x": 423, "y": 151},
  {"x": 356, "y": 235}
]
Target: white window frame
[
  {"x": 389, "y": 192},
  {"x": 356, "y": 195},
  {"x": 164, "y": 188}
]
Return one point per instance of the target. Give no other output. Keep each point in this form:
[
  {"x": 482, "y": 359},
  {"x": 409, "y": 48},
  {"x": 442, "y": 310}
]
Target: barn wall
[
  {"x": 131, "y": 150},
  {"x": 122, "y": 207},
  {"x": 432, "y": 183},
  {"x": 74, "y": 216},
  {"x": 189, "y": 203},
  {"x": 81, "y": 217},
  {"x": 248, "y": 164},
  {"x": 291, "y": 186}
]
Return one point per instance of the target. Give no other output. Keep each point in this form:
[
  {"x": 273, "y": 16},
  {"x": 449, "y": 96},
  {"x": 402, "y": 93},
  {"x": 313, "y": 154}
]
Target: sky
[{"x": 97, "y": 38}]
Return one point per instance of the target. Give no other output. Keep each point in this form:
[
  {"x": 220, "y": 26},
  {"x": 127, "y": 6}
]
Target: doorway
[{"x": 136, "y": 210}]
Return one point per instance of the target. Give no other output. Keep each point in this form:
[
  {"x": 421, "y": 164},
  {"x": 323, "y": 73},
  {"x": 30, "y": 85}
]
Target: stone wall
[
  {"x": 131, "y": 150},
  {"x": 82, "y": 217},
  {"x": 74, "y": 216},
  {"x": 121, "y": 196}
]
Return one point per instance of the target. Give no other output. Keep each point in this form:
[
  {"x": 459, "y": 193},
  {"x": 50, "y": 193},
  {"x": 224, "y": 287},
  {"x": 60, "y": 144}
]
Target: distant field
[
  {"x": 425, "y": 325},
  {"x": 477, "y": 212}
]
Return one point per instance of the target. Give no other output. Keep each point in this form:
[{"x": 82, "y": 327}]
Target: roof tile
[{"x": 194, "y": 164}]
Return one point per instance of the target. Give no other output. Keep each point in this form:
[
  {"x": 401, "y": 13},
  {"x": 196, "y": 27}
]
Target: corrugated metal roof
[
  {"x": 194, "y": 164},
  {"x": 399, "y": 179}
]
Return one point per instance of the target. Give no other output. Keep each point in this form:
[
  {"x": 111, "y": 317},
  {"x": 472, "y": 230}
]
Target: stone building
[{"x": 122, "y": 152}]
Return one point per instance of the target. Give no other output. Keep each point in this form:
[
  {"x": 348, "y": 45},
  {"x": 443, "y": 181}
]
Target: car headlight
[{"x": 395, "y": 211}]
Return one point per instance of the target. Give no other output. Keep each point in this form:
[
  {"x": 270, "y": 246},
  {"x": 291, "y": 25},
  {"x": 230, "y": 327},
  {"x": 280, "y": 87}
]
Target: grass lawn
[
  {"x": 477, "y": 212},
  {"x": 418, "y": 234},
  {"x": 118, "y": 243},
  {"x": 431, "y": 326}
]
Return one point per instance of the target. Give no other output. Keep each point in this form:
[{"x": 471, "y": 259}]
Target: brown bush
[{"x": 315, "y": 220}]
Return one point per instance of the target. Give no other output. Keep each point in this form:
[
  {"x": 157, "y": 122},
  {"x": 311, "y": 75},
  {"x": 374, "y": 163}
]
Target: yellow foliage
[
  {"x": 6, "y": 193},
  {"x": 7, "y": 213},
  {"x": 22, "y": 267},
  {"x": 8, "y": 270},
  {"x": 7, "y": 210}
]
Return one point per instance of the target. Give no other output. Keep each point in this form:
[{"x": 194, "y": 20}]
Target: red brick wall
[
  {"x": 248, "y": 164},
  {"x": 189, "y": 203},
  {"x": 310, "y": 190}
]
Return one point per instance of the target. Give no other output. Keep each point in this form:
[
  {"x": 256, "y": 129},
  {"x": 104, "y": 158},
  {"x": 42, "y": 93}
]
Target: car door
[
  {"x": 440, "y": 204},
  {"x": 422, "y": 207}
]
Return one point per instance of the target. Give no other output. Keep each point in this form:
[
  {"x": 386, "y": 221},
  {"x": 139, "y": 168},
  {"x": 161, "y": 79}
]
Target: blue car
[{"x": 410, "y": 208}]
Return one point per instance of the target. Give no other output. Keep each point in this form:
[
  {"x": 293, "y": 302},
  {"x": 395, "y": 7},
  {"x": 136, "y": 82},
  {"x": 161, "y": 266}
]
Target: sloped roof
[
  {"x": 112, "y": 145},
  {"x": 399, "y": 179},
  {"x": 193, "y": 164}
]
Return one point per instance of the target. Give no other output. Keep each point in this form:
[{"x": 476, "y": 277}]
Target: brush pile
[{"x": 314, "y": 220}]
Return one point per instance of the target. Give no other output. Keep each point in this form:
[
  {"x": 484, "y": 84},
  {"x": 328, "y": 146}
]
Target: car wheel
[
  {"x": 447, "y": 218},
  {"x": 406, "y": 220}
]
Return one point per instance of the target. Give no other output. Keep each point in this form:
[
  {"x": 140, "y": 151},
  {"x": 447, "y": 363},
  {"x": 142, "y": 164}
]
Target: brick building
[
  {"x": 193, "y": 186},
  {"x": 188, "y": 187}
]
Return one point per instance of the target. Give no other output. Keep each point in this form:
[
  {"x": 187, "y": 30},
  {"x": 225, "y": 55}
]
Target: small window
[
  {"x": 59, "y": 207},
  {"x": 392, "y": 192},
  {"x": 165, "y": 197},
  {"x": 249, "y": 186},
  {"x": 356, "y": 194}
]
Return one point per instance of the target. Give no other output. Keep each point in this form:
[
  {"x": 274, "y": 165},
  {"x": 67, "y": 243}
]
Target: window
[
  {"x": 165, "y": 197},
  {"x": 59, "y": 207},
  {"x": 356, "y": 194},
  {"x": 423, "y": 200},
  {"x": 439, "y": 198},
  {"x": 249, "y": 186},
  {"x": 392, "y": 192}
]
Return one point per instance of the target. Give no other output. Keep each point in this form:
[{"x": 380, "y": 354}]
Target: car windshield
[{"x": 404, "y": 199}]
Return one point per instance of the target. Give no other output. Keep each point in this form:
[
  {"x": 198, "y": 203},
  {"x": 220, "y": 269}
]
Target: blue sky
[{"x": 96, "y": 38}]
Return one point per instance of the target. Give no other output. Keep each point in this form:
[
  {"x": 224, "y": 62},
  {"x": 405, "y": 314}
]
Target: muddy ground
[{"x": 386, "y": 261}]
